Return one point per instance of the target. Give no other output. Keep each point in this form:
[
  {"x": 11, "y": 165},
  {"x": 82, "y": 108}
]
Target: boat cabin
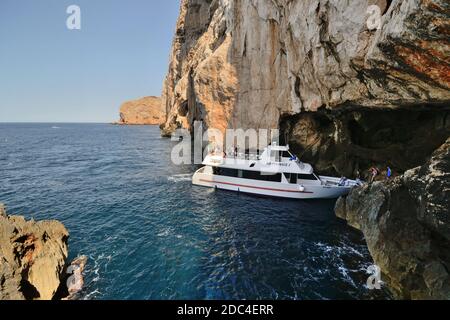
[{"x": 275, "y": 164}]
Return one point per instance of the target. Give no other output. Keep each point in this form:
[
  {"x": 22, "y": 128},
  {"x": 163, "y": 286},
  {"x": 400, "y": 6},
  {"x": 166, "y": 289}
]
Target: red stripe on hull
[{"x": 260, "y": 188}]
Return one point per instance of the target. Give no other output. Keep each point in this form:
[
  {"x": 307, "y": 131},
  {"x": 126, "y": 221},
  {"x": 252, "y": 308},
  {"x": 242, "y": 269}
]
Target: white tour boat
[{"x": 276, "y": 172}]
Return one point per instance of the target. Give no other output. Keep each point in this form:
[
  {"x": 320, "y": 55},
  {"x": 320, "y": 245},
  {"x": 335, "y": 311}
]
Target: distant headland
[{"x": 143, "y": 111}]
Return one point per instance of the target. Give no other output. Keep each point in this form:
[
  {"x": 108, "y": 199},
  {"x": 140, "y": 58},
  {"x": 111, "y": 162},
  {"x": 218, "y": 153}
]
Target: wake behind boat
[{"x": 276, "y": 172}]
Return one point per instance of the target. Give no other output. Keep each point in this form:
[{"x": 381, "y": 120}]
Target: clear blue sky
[{"x": 51, "y": 74}]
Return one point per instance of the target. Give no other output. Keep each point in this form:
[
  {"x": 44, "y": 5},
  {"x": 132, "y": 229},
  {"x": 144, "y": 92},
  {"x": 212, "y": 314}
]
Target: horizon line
[{"x": 67, "y": 122}]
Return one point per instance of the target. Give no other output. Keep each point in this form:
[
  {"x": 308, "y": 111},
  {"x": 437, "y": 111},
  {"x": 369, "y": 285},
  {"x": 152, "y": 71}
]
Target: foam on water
[{"x": 180, "y": 177}]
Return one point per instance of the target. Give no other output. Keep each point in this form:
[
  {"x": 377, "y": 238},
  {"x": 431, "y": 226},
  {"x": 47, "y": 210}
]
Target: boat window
[
  {"x": 286, "y": 154},
  {"x": 275, "y": 156},
  {"x": 307, "y": 177},
  {"x": 291, "y": 177},
  {"x": 253, "y": 175},
  {"x": 256, "y": 175},
  {"x": 252, "y": 165},
  {"x": 228, "y": 172},
  {"x": 278, "y": 155},
  {"x": 271, "y": 177},
  {"x": 287, "y": 176}
]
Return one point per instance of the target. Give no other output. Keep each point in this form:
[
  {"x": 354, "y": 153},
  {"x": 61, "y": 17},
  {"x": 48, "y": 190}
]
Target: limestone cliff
[
  {"x": 32, "y": 257},
  {"x": 346, "y": 96},
  {"x": 144, "y": 111},
  {"x": 303, "y": 65},
  {"x": 406, "y": 223}
]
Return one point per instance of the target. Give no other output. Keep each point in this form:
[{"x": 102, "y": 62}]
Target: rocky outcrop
[
  {"x": 144, "y": 111},
  {"x": 406, "y": 223},
  {"x": 246, "y": 64},
  {"x": 32, "y": 257}
]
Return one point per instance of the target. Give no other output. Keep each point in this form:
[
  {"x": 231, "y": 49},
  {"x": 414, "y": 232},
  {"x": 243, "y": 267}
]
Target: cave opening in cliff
[
  {"x": 28, "y": 290},
  {"x": 349, "y": 141}
]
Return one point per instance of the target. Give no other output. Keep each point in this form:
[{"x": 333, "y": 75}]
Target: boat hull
[{"x": 272, "y": 189}]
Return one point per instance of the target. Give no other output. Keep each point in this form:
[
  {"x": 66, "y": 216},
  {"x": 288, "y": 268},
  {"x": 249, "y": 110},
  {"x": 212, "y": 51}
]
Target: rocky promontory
[
  {"x": 351, "y": 85},
  {"x": 144, "y": 111},
  {"x": 345, "y": 94},
  {"x": 32, "y": 257},
  {"x": 406, "y": 223},
  {"x": 250, "y": 64}
]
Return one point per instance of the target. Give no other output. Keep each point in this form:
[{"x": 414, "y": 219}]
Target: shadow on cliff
[{"x": 352, "y": 140}]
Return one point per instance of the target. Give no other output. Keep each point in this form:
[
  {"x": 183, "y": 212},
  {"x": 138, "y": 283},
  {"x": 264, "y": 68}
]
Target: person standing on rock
[
  {"x": 373, "y": 174},
  {"x": 358, "y": 180},
  {"x": 389, "y": 173}
]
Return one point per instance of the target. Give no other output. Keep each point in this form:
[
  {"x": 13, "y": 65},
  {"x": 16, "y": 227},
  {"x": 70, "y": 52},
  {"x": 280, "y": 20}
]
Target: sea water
[{"x": 150, "y": 234}]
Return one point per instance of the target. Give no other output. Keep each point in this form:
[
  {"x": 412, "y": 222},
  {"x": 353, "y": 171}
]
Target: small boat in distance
[{"x": 276, "y": 172}]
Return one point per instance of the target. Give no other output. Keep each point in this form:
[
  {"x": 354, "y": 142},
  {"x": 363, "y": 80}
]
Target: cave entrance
[{"x": 346, "y": 141}]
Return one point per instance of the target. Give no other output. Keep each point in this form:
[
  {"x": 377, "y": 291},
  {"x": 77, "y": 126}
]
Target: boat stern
[{"x": 202, "y": 175}]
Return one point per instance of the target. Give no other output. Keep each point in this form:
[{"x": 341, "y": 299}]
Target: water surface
[{"x": 150, "y": 234}]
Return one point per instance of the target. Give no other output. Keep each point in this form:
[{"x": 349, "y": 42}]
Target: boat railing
[{"x": 243, "y": 156}]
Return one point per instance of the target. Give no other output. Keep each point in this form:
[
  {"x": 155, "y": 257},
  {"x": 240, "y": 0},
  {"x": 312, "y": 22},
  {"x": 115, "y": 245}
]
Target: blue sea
[{"x": 150, "y": 234}]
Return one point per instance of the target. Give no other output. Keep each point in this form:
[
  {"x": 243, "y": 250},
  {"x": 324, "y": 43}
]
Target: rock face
[
  {"x": 342, "y": 143},
  {"x": 406, "y": 223},
  {"x": 145, "y": 111},
  {"x": 32, "y": 257},
  {"x": 346, "y": 96},
  {"x": 246, "y": 63}
]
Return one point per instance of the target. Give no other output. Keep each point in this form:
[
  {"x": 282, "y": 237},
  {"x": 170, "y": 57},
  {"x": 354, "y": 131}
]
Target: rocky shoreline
[
  {"x": 406, "y": 223},
  {"x": 33, "y": 260}
]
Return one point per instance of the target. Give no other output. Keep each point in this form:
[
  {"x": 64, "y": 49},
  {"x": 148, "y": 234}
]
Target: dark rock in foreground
[
  {"x": 32, "y": 257},
  {"x": 406, "y": 223}
]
